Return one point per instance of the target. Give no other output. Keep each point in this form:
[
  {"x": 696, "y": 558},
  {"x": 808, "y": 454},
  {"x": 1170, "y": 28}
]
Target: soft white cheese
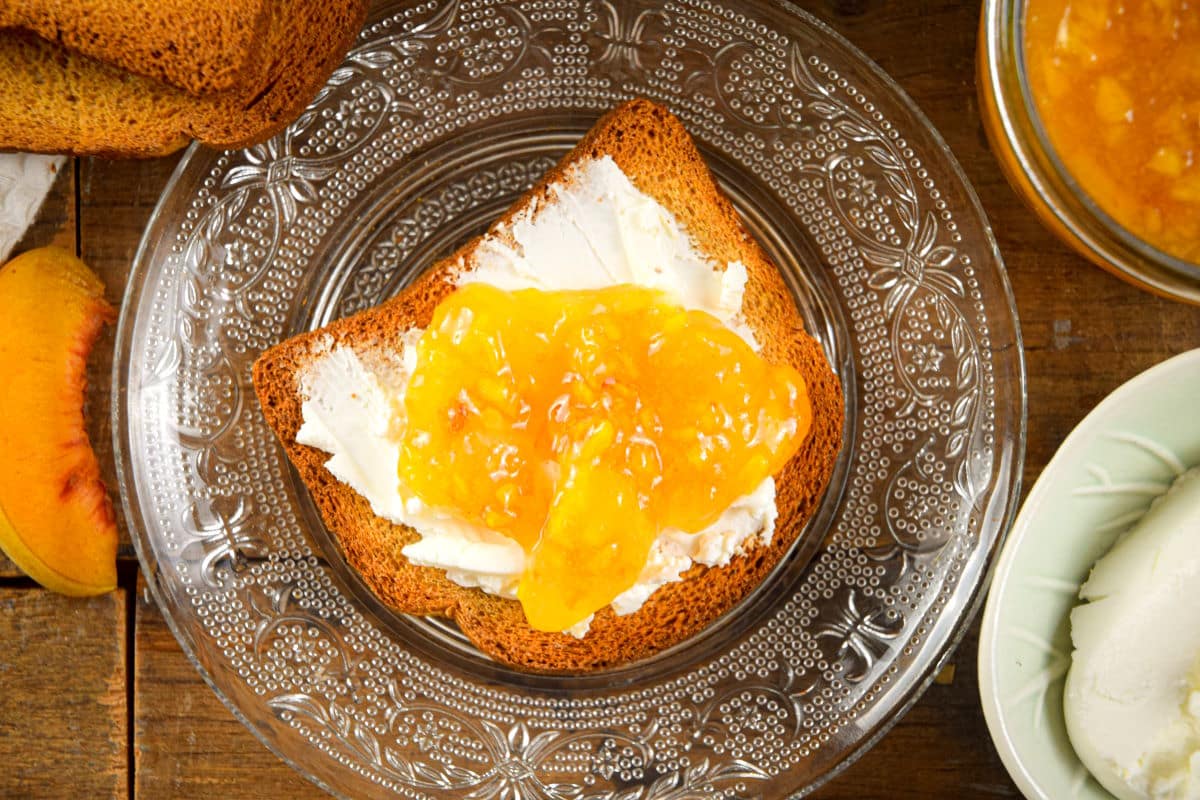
[
  {"x": 598, "y": 230},
  {"x": 1133, "y": 696}
]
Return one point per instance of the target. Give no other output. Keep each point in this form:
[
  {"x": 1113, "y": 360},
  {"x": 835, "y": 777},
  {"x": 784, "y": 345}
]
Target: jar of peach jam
[{"x": 1093, "y": 109}]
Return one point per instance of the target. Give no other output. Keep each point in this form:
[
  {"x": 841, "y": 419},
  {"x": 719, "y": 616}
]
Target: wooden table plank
[
  {"x": 1085, "y": 332},
  {"x": 63, "y": 730},
  {"x": 116, "y": 199},
  {"x": 8, "y": 569},
  {"x": 186, "y": 744}
]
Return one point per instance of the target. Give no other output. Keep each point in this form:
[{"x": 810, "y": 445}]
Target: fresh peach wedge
[{"x": 56, "y": 519}]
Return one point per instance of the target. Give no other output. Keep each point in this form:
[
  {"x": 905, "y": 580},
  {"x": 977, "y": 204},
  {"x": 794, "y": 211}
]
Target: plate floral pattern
[{"x": 443, "y": 112}]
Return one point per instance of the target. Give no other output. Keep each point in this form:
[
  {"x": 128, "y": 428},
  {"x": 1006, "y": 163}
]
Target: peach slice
[{"x": 56, "y": 519}]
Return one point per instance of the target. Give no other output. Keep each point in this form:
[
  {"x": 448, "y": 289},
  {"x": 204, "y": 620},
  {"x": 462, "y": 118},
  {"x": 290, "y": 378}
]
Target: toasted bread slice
[
  {"x": 201, "y": 46},
  {"x": 652, "y": 148},
  {"x": 59, "y": 101}
]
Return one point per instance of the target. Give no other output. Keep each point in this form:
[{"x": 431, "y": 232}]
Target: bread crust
[
  {"x": 64, "y": 102},
  {"x": 652, "y": 148},
  {"x": 200, "y": 47}
]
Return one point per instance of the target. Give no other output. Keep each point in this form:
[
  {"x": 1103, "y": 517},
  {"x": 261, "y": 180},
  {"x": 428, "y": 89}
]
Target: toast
[
  {"x": 59, "y": 101},
  {"x": 200, "y": 47},
  {"x": 652, "y": 148}
]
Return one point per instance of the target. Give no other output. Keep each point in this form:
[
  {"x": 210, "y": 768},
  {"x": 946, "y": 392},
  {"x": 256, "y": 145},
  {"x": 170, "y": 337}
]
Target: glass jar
[{"x": 1038, "y": 175}]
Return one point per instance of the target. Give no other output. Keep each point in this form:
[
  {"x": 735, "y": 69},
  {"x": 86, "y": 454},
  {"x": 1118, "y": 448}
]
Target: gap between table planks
[{"x": 1085, "y": 333}]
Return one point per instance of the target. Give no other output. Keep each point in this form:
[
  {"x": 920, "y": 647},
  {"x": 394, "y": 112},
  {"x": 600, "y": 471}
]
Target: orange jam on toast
[{"x": 583, "y": 423}]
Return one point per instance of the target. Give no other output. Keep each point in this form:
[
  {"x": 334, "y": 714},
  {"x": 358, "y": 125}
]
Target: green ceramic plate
[{"x": 1102, "y": 479}]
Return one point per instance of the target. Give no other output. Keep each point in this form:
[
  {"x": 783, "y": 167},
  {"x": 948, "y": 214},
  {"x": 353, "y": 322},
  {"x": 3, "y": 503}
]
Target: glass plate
[{"x": 441, "y": 115}]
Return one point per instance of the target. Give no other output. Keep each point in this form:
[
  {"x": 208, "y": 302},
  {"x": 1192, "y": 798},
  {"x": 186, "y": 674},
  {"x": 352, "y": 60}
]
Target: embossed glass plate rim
[
  {"x": 130, "y": 504},
  {"x": 997, "y": 516},
  {"x": 1007, "y": 515}
]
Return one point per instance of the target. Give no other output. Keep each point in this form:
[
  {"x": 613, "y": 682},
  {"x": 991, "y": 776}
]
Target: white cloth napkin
[{"x": 25, "y": 179}]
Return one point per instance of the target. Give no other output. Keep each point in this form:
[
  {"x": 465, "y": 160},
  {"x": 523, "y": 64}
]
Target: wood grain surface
[
  {"x": 1085, "y": 333},
  {"x": 63, "y": 702}
]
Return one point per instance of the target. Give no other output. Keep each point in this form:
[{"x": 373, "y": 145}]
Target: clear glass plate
[{"x": 441, "y": 115}]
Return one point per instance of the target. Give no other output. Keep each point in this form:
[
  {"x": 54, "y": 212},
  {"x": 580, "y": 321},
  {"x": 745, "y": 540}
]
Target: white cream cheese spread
[
  {"x": 597, "y": 230},
  {"x": 600, "y": 230},
  {"x": 1132, "y": 699}
]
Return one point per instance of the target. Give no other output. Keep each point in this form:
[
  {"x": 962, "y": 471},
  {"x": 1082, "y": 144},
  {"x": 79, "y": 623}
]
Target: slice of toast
[
  {"x": 201, "y": 46},
  {"x": 59, "y": 101},
  {"x": 652, "y": 148}
]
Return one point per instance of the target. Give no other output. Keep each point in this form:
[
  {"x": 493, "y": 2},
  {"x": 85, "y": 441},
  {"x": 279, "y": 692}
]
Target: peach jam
[
  {"x": 582, "y": 423},
  {"x": 1117, "y": 87}
]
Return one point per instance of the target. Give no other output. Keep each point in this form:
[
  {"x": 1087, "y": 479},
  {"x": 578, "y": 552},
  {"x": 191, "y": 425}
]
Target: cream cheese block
[{"x": 1132, "y": 698}]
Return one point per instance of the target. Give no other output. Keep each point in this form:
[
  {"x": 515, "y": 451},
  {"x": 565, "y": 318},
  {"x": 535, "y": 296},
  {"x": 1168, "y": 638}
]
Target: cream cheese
[
  {"x": 598, "y": 230},
  {"x": 1132, "y": 700}
]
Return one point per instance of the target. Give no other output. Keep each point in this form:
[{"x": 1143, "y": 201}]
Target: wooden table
[{"x": 97, "y": 699}]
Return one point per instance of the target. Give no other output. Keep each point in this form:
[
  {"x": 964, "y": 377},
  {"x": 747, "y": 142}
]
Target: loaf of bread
[
  {"x": 652, "y": 148},
  {"x": 61, "y": 101},
  {"x": 201, "y": 46}
]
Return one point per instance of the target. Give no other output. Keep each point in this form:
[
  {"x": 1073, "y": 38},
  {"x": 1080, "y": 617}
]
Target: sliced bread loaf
[
  {"x": 201, "y": 46},
  {"x": 60, "y": 101}
]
